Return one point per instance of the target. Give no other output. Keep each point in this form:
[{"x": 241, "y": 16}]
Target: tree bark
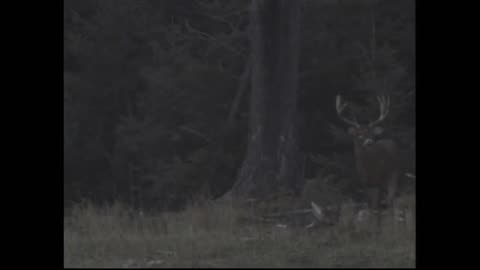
[{"x": 272, "y": 161}]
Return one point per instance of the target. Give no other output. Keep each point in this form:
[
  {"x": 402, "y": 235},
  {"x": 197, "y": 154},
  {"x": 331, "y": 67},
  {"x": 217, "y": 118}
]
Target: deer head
[
  {"x": 365, "y": 135},
  {"x": 376, "y": 158}
]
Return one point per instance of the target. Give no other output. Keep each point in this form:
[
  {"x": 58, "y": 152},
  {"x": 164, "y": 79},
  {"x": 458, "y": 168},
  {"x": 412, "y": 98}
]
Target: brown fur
[{"x": 377, "y": 166}]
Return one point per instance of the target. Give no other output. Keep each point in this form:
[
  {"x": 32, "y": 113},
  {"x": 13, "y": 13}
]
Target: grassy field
[{"x": 214, "y": 235}]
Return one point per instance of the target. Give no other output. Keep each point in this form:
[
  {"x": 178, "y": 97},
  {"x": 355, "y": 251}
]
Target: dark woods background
[{"x": 156, "y": 93}]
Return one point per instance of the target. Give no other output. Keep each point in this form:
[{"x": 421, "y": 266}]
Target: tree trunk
[{"x": 272, "y": 161}]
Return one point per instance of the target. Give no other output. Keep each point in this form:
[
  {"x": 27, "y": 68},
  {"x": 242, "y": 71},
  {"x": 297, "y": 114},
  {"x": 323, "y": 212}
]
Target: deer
[{"x": 376, "y": 158}]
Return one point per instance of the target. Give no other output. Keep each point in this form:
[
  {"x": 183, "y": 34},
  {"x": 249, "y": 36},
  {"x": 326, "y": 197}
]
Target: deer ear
[
  {"x": 377, "y": 130},
  {"x": 351, "y": 130}
]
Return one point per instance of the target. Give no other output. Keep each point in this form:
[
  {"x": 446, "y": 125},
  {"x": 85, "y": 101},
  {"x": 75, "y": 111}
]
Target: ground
[{"x": 211, "y": 235}]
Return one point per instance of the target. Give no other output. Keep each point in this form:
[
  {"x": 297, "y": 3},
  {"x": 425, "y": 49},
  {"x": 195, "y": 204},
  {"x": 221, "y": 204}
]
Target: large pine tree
[{"x": 272, "y": 161}]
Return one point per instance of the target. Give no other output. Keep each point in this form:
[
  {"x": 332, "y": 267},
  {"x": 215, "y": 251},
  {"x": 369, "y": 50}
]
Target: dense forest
[{"x": 158, "y": 94}]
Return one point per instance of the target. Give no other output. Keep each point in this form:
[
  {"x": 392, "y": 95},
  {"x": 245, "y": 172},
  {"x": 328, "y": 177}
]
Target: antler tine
[
  {"x": 387, "y": 110},
  {"x": 384, "y": 109},
  {"x": 340, "y": 107},
  {"x": 386, "y": 106}
]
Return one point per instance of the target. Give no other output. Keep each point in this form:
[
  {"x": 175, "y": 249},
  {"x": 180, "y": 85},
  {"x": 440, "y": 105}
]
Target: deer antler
[
  {"x": 384, "y": 109},
  {"x": 340, "y": 107}
]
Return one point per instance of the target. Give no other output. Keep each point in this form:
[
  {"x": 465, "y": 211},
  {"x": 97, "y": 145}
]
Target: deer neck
[
  {"x": 357, "y": 147},
  {"x": 362, "y": 152}
]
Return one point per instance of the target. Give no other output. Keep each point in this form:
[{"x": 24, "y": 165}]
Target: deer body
[{"x": 377, "y": 167}]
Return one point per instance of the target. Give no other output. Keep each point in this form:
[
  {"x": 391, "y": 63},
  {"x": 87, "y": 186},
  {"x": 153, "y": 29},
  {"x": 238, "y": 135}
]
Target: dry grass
[{"x": 210, "y": 235}]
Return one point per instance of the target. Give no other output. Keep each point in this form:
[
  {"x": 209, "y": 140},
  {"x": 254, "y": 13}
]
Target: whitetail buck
[{"x": 376, "y": 160}]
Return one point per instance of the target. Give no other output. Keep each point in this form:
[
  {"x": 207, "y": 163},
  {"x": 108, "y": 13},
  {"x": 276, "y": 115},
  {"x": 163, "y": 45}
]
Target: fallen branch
[
  {"x": 410, "y": 175},
  {"x": 289, "y": 213},
  {"x": 257, "y": 219}
]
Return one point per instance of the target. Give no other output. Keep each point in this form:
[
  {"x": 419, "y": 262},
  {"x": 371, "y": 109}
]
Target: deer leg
[
  {"x": 392, "y": 189},
  {"x": 391, "y": 193},
  {"x": 374, "y": 197},
  {"x": 378, "y": 209}
]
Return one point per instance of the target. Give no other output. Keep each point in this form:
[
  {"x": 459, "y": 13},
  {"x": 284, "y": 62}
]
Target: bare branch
[
  {"x": 317, "y": 212},
  {"x": 197, "y": 133},
  {"x": 193, "y": 30},
  {"x": 211, "y": 38}
]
